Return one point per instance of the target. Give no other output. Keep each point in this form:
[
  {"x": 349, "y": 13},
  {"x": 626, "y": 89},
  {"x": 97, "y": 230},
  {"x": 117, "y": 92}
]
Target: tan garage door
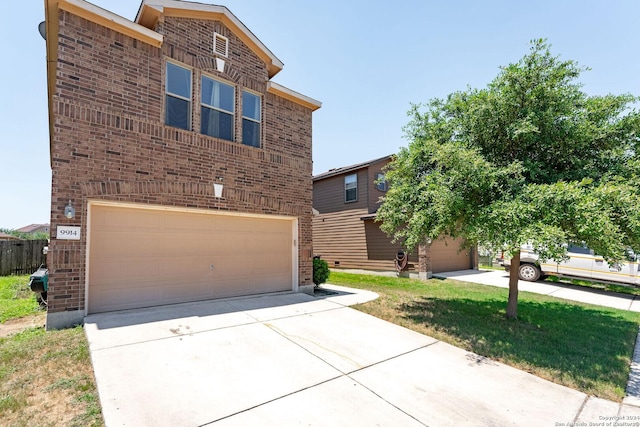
[
  {"x": 142, "y": 257},
  {"x": 445, "y": 256}
]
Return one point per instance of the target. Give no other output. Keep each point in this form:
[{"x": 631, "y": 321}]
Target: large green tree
[{"x": 531, "y": 158}]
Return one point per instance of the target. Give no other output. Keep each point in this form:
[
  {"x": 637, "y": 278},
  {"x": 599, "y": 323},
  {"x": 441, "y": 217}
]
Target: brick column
[{"x": 424, "y": 260}]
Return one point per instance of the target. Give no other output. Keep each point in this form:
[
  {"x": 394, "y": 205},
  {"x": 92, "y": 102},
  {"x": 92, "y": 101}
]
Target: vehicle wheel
[{"x": 529, "y": 272}]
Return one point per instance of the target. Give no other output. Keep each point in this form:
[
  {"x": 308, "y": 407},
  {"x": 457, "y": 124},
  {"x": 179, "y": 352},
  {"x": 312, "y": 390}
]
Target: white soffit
[
  {"x": 292, "y": 95},
  {"x": 109, "y": 19}
]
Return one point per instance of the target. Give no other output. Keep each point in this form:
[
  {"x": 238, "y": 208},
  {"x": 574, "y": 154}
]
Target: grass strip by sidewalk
[
  {"x": 620, "y": 288},
  {"x": 46, "y": 379},
  {"x": 585, "y": 347}
]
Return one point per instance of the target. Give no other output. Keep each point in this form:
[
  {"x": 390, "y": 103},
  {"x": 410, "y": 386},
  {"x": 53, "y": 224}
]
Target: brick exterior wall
[
  {"x": 110, "y": 141},
  {"x": 424, "y": 261}
]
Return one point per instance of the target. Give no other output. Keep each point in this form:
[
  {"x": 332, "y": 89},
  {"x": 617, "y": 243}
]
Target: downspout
[{"x": 51, "y": 14}]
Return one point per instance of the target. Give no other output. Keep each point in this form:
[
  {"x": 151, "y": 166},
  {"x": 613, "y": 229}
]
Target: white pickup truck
[{"x": 582, "y": 263}]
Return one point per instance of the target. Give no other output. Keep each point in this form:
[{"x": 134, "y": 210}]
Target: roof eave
[
  {"x": 347, "y": 169},
  {"x": 291, "y": 95},
  {"x": 109, "y": 19}
]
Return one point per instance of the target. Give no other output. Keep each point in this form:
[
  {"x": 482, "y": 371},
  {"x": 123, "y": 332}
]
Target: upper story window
[
  {"x": 381, "y": 183},
  {"x": 178, "y": 96},
  {"x": 251, "y": 118},
  {"x": 217, "y": 109},
  {"x": 351, "y": 188}
]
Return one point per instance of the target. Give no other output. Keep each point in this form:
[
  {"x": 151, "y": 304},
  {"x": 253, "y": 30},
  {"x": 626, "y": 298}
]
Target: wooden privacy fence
[{"x": 21, "y": 256}]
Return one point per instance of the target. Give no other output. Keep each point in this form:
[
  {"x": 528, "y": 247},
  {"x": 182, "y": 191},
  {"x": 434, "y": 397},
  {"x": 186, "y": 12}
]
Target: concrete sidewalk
[
  {"x": 294, "y": 359},
  {"x": 558, "y": 290}
]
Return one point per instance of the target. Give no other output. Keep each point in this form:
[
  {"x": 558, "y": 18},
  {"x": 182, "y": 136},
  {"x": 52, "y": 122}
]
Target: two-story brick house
[
  {"x": 346, "y": 235},
  {"x": 180, "y": 170}
]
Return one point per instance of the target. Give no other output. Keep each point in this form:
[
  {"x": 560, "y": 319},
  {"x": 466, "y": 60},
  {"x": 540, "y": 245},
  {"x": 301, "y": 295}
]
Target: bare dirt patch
[{"x": 14, "y": 326}]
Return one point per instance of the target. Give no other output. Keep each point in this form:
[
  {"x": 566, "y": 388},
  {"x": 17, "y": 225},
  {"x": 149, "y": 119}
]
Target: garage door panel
[
  {"x": 147, "y": 294},
  {"x": 188, "y": 291},
  {"x": 144, "y": 257},
  {"x": 445, "y": 256},
  {"x": 232, "y": 224},
  {"x": 111, "y": 275},
  {"x": 103, "y": 243},
  {"x": 122, "y": 299}
]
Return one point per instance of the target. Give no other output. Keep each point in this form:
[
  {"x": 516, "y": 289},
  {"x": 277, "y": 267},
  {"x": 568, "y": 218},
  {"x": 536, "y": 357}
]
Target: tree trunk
[{"x": 512, "y": 304}]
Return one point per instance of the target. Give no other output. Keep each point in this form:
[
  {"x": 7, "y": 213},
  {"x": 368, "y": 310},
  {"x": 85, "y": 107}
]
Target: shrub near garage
[{"x": 320, "y": 271}]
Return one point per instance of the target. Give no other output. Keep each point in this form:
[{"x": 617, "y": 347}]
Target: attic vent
[{"x": 220, "y": 44}]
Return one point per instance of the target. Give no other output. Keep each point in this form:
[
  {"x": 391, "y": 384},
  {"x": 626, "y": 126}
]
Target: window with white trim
[
  {"x": 178, "y": 96},
  {"x": 217, "y": 109},
  {"x": 381, "y": 183},
  {"x": 251, "y": 118},
  {"x": 351, "y": 188}
]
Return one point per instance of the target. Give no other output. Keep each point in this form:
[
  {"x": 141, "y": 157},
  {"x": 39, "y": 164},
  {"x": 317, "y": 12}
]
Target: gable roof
[
  {"x": 345, "y": 169},
  {"x": 151, "y": 10}
]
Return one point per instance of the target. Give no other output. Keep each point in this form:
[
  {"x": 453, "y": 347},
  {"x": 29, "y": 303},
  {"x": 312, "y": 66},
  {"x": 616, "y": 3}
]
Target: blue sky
[{"x": 366, "y": 61}]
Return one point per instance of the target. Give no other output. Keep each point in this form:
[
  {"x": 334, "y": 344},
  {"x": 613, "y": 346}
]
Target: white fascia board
[
  {"x": 159, "y": 5},
  {"x": 112, "y": 17},
  {"x": 278, "y": 89}
]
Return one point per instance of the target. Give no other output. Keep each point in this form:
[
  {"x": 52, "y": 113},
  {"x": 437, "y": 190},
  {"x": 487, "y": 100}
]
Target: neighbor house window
[
  {"x": 217, "y": 109},
  {"x": 381, "y": 183},
  {"x": 351, "y": 188},
  {"x": 178, "y": 97},
  {"x": 251, "y": 119}
]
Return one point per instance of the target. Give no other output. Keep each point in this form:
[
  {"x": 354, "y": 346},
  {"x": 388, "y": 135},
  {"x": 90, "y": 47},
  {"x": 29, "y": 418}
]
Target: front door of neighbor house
[{"x": 141, "y": 257}]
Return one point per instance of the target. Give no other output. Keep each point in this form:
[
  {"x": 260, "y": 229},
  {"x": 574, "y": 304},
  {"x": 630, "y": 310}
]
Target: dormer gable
[{"x": 152, "y": 11}]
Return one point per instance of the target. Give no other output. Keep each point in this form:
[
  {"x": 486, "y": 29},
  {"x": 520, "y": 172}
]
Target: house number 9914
[{"x": 67, "y": 232}]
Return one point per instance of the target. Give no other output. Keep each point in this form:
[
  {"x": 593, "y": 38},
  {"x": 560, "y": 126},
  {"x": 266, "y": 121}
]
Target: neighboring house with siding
[
  {"x": 346, "y": 235},
  {"x": 181, "y": 171}
]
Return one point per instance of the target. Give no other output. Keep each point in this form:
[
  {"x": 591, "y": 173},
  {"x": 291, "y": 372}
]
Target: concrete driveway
[{"x": 294, "y": 359}]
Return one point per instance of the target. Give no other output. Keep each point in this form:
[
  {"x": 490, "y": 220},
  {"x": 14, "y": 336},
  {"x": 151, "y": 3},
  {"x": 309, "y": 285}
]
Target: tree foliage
[
  {"x": 40, "y": 235},
  {"x": 531, "y": 158}
]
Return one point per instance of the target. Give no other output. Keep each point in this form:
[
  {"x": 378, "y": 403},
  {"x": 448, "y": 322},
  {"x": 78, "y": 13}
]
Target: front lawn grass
[
  {"x": 585, "y": 347},
  {"x": 16, "y": 299},
  {"x": 46, "y": 379}
]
